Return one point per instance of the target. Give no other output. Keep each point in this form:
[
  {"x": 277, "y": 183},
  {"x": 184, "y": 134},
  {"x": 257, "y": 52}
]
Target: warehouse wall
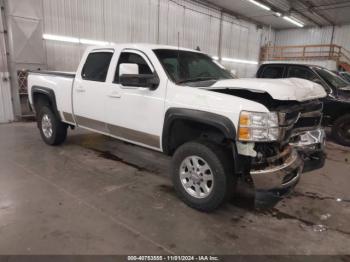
[
  {"x": 152, "y": 21},
  {"x": 24, "y": 46},
  {"x": 6, "y": 110},
  {"x": 315, "y": 36}
]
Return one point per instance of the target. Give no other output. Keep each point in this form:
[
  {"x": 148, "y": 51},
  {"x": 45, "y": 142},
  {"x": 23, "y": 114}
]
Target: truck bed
[
  {"x": 58, "y": 83},
  {"x": 53, "y": 73}
]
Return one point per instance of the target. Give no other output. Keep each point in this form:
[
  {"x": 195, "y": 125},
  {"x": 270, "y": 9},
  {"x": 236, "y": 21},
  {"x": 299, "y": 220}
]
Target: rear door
[{"x": 90, "y": 91}]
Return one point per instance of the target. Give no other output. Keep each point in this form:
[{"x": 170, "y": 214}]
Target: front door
[{"x": 136, "y": 113}]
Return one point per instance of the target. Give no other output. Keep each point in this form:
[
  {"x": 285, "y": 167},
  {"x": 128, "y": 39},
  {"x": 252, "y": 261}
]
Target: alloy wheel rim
[
  {"x": 196, "y": 177},
  {"x": 46, "y": 126}
]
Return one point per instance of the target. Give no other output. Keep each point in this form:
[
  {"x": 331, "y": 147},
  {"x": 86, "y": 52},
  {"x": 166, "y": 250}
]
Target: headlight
[{"x": 258, "y": 127}]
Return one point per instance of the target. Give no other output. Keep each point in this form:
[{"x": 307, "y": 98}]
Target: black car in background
[{"x": 336, "y": 108}]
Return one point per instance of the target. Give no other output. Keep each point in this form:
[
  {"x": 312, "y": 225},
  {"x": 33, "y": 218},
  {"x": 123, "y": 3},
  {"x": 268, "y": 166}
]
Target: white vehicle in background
[{"x": 184, "y": 104}]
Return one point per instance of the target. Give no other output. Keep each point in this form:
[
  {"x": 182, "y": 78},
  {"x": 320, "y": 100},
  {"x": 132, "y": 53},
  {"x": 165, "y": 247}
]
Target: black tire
[
  {"x": 220, "y": 162},
  {"x": 59, "y": 129},
  {"x": 341, "y": 130}
]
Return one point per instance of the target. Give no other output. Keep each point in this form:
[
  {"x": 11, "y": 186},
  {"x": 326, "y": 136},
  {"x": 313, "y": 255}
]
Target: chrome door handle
[
  {"x": 114, "y": 95},
  {"x": 80, "y": 90}
]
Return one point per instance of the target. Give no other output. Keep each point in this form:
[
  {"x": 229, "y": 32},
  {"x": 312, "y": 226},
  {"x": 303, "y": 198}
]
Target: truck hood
[{"x": 280, "y": 89}]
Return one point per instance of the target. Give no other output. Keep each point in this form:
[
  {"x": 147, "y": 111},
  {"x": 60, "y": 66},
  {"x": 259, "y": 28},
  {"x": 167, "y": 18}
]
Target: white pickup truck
[{"x": 182, "y": 102}]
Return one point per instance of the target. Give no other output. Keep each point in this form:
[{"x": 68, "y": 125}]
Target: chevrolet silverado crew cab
[
  {"x": 336, "y": 109},
  {"x": 183, "y": 103}
]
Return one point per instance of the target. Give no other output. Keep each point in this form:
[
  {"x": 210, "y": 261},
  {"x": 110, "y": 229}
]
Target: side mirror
[
  {"x": 148, "y": 81},
  {"x": 129, "y": 76},
  {"x": 233, "y": 72}
]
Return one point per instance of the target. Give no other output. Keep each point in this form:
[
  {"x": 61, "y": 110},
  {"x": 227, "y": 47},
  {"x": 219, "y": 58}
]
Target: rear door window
[
  {"x": 96, "y": 66},
  {"x": 273, "y": 71}
]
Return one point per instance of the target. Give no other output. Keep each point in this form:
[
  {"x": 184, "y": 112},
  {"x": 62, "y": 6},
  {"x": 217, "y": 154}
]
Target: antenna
[{"x": 178, "y": 55}]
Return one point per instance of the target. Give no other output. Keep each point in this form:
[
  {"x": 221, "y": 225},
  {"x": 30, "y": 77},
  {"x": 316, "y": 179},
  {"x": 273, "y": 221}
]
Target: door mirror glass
[
  {"x": 233, "y": 72},
  {"x": 150, "y": 81},
  {"x": 133, "y": 71},
  {"x": 128, "y": 69}
]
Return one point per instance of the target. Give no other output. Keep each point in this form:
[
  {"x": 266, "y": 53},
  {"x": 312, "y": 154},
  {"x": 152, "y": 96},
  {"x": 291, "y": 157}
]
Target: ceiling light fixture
[
  {"x": 92, "y": 42},
  {"x": 278, "y": 14},
  {"x": 234, "y": 60},
  {"x": 242, "y": 61},
  {"x": 293, "y": 21},
  {"x": 61, "y": 38},
  {"x": 75, "y": 40},
  {"x": 260, "y": 5}
]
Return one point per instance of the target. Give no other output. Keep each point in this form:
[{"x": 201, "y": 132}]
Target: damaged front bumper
[
  {"x": 311, "y": 147},
  {"x": 284, "y": 176},
  {"x": 278, "y": 174}
]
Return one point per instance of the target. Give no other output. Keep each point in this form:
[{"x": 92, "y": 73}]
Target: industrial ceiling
[{"x": 272, "y": 12}]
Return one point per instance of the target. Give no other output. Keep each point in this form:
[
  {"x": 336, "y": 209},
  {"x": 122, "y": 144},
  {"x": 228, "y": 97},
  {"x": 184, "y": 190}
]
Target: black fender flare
[
  {"x": 50, "y": 95},
  {"x": 220, "y": 122}
]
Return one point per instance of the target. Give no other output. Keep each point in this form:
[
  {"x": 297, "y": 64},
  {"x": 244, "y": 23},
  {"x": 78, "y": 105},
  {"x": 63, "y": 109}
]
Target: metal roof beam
[
  {"x": 291, "y": 10},
  {"x": 332, "y": 5},
  {"x": 311, "y": 8},
  {"x": 230, "y": 12}
]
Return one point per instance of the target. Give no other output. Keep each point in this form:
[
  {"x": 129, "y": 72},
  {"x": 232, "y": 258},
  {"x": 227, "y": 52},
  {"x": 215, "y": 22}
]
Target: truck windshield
[
  {"x": 331, "y": 78},
  {"x": 186, "y": 66}
]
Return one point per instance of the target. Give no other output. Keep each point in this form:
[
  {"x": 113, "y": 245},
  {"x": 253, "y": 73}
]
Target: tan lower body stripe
[
  {"x": 113, "y": 130},
  {"x": 68, "y": 117}
]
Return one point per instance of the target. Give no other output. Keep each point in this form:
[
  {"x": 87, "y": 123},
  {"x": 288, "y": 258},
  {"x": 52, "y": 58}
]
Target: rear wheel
[
  {"x": 341, "y": 130},
  {"x": 202, "y": 174},
  {"x": 52, "y": 130}
]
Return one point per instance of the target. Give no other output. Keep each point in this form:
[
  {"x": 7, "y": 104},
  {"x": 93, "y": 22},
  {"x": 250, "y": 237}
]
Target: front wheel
[
  {"x": 52, "y": 130},
  {"x": 202, "y": 174},
  {"x": 341, "y": 130}
]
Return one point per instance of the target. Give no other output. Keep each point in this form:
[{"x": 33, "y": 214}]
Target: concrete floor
[{"x": 94, "y": 195}]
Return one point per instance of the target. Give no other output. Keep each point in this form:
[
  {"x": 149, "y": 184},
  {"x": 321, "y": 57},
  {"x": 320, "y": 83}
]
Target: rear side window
[
  {"x": 273, "y": 72},
  {"x": 301, "y": 72},
  {"x": 96, "y": 66}
]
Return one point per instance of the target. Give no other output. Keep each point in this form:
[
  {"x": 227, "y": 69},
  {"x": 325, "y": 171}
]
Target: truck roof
[
  {"x": 141, "y": 46},
  {"x": 291, "y": 63}
]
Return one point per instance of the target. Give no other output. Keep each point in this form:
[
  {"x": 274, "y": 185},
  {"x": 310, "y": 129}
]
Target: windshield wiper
[{"x": 196, "y": 79}]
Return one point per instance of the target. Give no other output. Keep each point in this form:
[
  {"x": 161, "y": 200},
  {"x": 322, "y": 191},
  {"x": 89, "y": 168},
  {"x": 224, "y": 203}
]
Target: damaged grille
[
  {"x": 303, "y": 117},
  {"x": 293, "y": 119},
  {"x": 270, "y": 155}
]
